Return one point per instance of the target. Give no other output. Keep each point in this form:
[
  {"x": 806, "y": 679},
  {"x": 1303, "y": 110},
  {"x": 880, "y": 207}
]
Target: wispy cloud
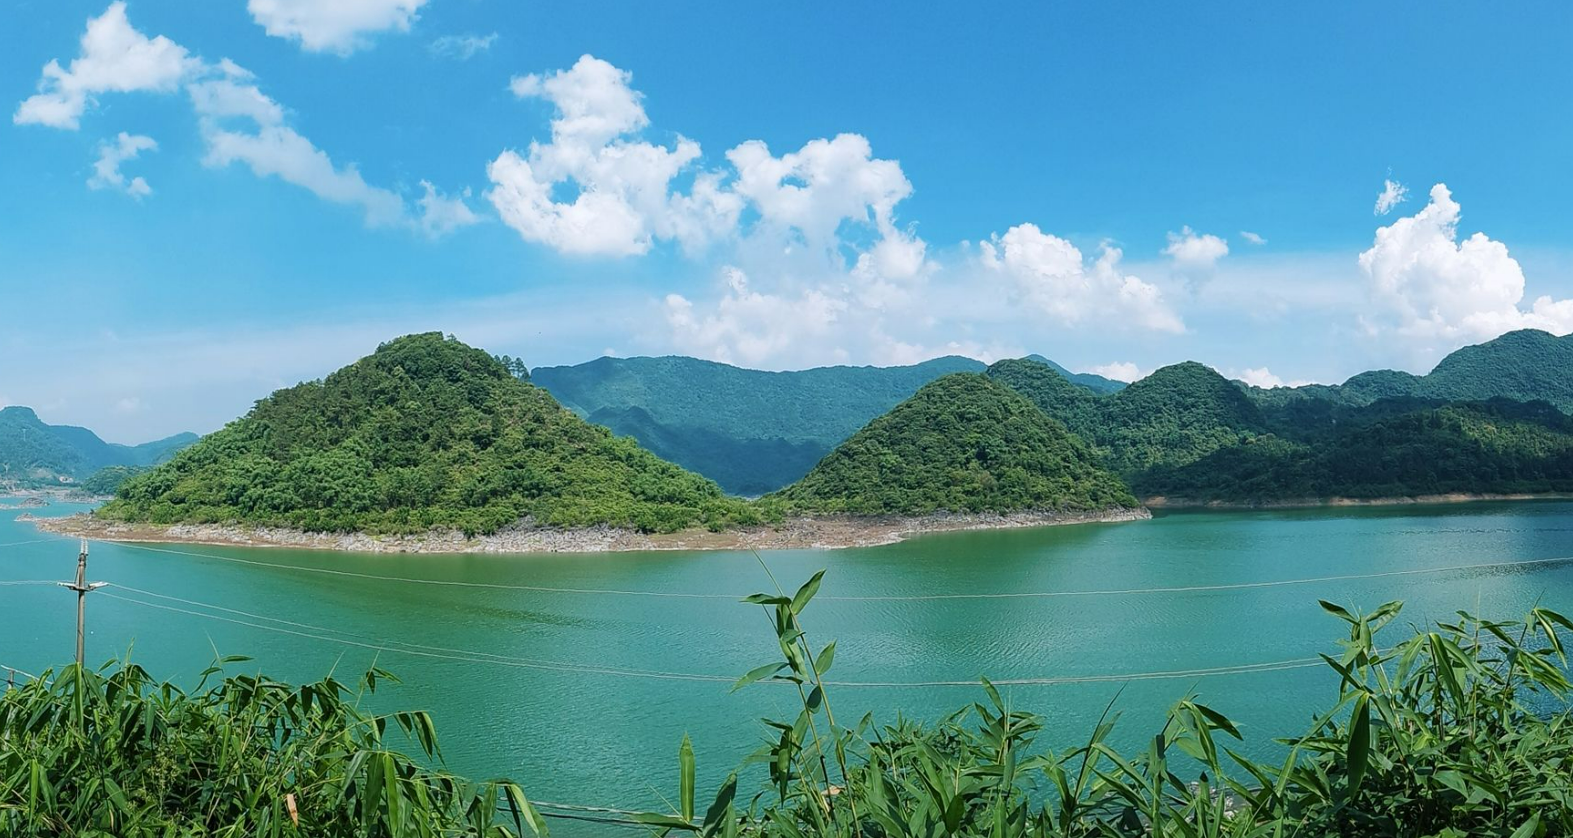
[
  {"x": 106, "y": 170},
  {"x": 462, "y": 47},
  {"x": 1393, "y": 194}
]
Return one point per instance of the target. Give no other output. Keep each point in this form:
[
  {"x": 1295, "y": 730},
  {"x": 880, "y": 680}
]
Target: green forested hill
[
  {"x": 1396, "y": 449},
  {"x": 33, "y": 453},
  {"x": 424, "y": 433},
  {"x": 741, "y": 465},
  {"x": 962, "y": 443},
  {"x": 1075, "y": 407},
  {"x": 1096, "y": 383},
  {"x": 1526, "y": 365},
  {"x": 1187, "y": 433},
  {"x": 749, "y": 430},
  {"x": 1177, "y": 415}
]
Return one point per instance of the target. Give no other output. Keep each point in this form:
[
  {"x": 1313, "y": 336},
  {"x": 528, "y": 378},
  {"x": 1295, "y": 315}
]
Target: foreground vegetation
[
  {"x": 117, "y": 753},
  {"x": 1458, "y": 729},
  {"x": 426, "y": 433}
]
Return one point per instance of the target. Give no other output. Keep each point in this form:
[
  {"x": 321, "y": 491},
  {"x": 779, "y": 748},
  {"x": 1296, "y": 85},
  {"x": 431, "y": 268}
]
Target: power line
[
  {"x": 24, "y": 673},
  {"x": 464, "y": 656},
  {"x": 368, "y": 642},
  {"x": 33, "y": 541},
  {"x": 471, "y": 656},
  {"x": 28, "y": 582},
  {"x": 1233, "y": 586}
]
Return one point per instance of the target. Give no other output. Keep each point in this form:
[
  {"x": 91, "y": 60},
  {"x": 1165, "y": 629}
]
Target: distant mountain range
[
  {"x": 33, "y": 453},
  {"x": 750, "y": 431},
  {"x": 427, "y": 433},
  {"x": 755, "y": 432},
  {"x": 1526, "y": 365},
  {"x": 1184, "y": 429}
]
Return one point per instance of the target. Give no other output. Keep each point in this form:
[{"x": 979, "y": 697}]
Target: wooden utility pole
[{"x": 82, "y": 589}]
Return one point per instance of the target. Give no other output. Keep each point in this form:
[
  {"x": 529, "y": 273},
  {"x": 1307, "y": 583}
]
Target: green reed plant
[
  {"x": 1459, "y": 729},
  {"x": 115, "y": 753}
]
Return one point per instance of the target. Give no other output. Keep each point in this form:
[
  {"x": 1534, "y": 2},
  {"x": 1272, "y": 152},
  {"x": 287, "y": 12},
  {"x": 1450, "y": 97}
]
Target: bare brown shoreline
[
  {"x": 821, "y": 533},
  {"x": 1161, "y": 502}
]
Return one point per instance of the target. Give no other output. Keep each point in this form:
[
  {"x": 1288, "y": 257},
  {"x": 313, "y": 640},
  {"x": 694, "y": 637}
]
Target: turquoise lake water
[{"x": 536, "y": 685}]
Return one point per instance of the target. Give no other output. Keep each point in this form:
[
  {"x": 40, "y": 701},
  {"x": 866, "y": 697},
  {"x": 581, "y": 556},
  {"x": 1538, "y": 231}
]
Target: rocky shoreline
[
  {"x": 825, "y": 533},
  {"x": 1312, "y": 503}
]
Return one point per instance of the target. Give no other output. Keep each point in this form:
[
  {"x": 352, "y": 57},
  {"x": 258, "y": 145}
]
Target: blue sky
[{"x": 778, "y": 187}]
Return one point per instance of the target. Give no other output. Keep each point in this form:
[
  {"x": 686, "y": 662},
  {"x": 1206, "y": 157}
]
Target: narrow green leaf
[
  {"x": 1338, "y": 610},
  {"x": 827, "y": 656},
  {"x": 758, "y": 674},
  {"x": 685, "y": 778},
  {"x": 1529, "y": 828},
  {"x": 806, "y": 593},
  {"x": 1359, "y": 745}
]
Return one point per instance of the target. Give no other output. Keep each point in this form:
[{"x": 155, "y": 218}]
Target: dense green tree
[
  {"x": 107, "y": 480},
  {"x": 1500, "y": 446},
  {"x": 1186, "y": 432},
  {"x": 1177, "y": 415},
  {"x": 424, "y": 433}
]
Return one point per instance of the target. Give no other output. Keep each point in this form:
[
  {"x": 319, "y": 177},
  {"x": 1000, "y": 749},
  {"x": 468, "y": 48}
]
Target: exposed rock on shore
[{"x": 797, "y": 533}]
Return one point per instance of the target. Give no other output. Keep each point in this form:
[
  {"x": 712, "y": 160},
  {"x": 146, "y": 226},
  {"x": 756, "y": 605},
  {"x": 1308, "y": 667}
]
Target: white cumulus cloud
[
  {"x": 114, "y": 57},
  {"x": 1428, "y": 284},
  {"x": 820, "y": 268},
  {"x": 1119, "y": 371},
  {"x": 1264, "y": 378},
  {"x": 807, "y": 195},
  {"x": 1260, "y": 377},
  {"x": 106, "y": 170},
  {"x": 1195, "y": 252},
  {"x": 1253, "y": 238},
  {"x": 1051, "y": 274},
  {"x": 1393, "y": 194},
  {"x": 339, "y": 26},
  {"x": 750, "y": 327},
  {"x": 624, "y": 199}
]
